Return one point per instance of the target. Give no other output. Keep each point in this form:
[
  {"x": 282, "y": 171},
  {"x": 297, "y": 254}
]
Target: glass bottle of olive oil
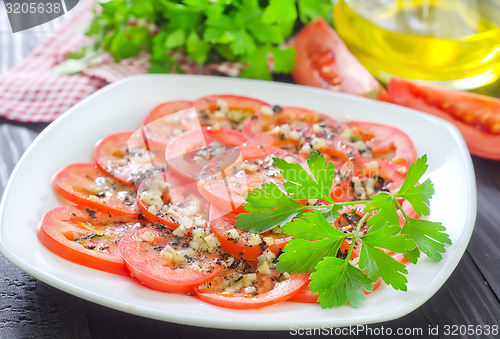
[{"x": 455, "y": 43}]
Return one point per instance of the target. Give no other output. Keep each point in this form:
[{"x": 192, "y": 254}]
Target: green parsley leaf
[
  {"x": 268, "y": 207},
  {"x": 301, "y": 185},
  {"x": 418, "y": 195},
  {"x": 377, "y": 263},
  {"x": 314, "y": 239},
  {"x": 384, "y": 202},
  {"x": 284, "y": 60},
  {"x": 310, "y": 10},
  {"x": 429, "y": 237},
  {"x": 280, "y": 11},
  {"x": 337, "y": 282}
]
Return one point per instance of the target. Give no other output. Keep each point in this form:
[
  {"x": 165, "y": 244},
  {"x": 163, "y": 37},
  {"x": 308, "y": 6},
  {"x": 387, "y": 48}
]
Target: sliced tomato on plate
[
  {"x": 476, "y": 116},
  {"x": 126, "y": 157},
  {"x": 243, "y": 244},
  {"x": 306, "y": 296},
  {"x": 226, "y": 111},
  {"x": 188, "y": 153},
  {"x": 164, "y": 199},
  {"x": 165, "y": 262},
  {"x": 167, "y": 108},
  {"x": 86, "y": 237},
  {"x": 87, "y": 185},
  {"x": 296, "y": 117},
  {"x": 231, "y": 175},
  {"x": 324, "y": 61},
  {"x": 383, "y": 142},
  {"x": 269, "y": 289}
]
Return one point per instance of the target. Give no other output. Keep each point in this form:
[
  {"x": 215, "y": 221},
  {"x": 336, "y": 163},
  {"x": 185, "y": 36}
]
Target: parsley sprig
[
  {"x": 247, "y": 31},
  {"x": 316, "y": 242}
]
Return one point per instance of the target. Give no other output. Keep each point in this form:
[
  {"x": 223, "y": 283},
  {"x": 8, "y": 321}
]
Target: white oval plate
[{"x": 123, "y": 105}]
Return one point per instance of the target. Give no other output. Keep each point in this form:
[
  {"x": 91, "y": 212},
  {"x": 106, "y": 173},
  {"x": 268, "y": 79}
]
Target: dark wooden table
[{"x": 31, "y": 309}]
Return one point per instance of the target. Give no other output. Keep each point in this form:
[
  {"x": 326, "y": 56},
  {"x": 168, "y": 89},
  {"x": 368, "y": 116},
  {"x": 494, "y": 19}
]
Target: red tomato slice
[
  {"x": 167, "y": 108},
  {"x": 166, "y": 201},
  {"x": 227, "y": 185},
  {"x": 240, "y": 243},
  {"x": 295, "y": 117},
  {"x": 476, "y": 116},
  {"x": 271, "y": 289},
  {"x": 324, "y": 61},
  {"x": 385, "y": 141},
  {"x": 375, "y": 176},
  {"x": 126, "y": 157},
  {"x": 145, "y": 255},
  {"x": 188, "y": 153},
  {"x": 87, "y": 185},
  {"x": 226, "y": 111},
  {"x": 86, "y": 237},
  {"x": 306, "y": 296}
]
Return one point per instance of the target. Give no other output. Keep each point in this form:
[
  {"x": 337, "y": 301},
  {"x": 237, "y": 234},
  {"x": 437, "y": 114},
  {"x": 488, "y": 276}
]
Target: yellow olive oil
[{"x": 455, "y": 43}]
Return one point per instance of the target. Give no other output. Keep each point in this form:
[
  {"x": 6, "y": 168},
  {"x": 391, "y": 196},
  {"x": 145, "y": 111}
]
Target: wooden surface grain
[{"x": 32, "y": 309}]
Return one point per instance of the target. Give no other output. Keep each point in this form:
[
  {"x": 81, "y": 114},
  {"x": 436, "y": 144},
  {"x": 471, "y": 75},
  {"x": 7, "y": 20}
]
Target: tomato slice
[
  {"x": 306, "y": 296},
  {"x": 270, "y": 289},
  {"x": 227, "y": 185},
  {"x": 165, "y": 200},
  {"x": 383, "y": 141},
  {"x": 166, "y": 109},
  {"x": 188, "y": 153},
  {"x": 243, "y": 244},
  {"x": 323, "y": 60},
  {"x": 87, "y": 185},
  {"x": 224, "y": 110},
  {"x": 476, "y": 116},
  {"x": 163, "y": 262},
  {"x": 126, "y": 157},
  {"x": 296, "y": 117},
  {"x": 86, "y": 237}
]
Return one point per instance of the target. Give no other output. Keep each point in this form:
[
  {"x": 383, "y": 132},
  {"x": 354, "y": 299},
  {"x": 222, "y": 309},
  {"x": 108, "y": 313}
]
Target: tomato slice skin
[
  {"x": 112, "y": 154},
  {"x": 482, "y": 133},
  {"x": 228, "y": 185},
  {"x": 296, "y": 117},
  {"x": 221, "y": 222},
  {"x": 77, "y": 183},
  {"x": 167, "y": 108},
  {"x": 207, "y": 106},
  {"x": 65, "y": 230},
  {"x": 282, "y": 291},
  {"x": 324, "y": 61},
  {"x": 151, "y": 269},
  {"x": 188, "y": 153}
]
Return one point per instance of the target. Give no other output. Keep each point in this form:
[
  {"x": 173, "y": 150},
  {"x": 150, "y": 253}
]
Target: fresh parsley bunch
[
  {"x": 247, "y": 31},
  {"x": 316, "y": 241}
]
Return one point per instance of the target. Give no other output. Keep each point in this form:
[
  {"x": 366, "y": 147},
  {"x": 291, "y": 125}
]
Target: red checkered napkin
[{"x": 32, "y": 92}]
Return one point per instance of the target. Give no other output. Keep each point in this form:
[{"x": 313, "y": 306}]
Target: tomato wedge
[
  {"x": 188, "y": 153},
  {"x": 227, "y": 185},
  {"x": 270, "y": 289},
  {"x": 476, "y": 116},
  {"x": 162, "y": 262},
  {"x": 126, "y": 157},
  {"x": 87, "y": 185},
  {"x": 243, "y": 244},
  {"x": 223, "y": 110},
  {"x": 324, "y": 61},
  {"x": 86, "y": 237},
  {"x": 167, "y": 201},
  {"x": 295, "y": 117}
]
